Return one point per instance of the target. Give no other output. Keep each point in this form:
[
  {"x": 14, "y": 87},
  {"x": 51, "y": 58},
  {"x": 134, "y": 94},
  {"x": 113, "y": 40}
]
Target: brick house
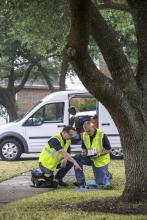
[{"x": 32, "y": 94}]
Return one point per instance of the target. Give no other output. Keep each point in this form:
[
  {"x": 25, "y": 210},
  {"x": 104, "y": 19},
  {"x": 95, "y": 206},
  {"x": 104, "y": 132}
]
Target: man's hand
[
  {"x": 63, "y": 163},
  {"x": 101, "y": 154},
  {"x": 68, "y": 157},
  {"x": 95, "y": 156},
  {"x": 76, "y": 165}
]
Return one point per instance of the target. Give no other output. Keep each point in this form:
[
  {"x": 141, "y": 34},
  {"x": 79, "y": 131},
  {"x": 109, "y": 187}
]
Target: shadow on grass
[{"x": 109, "y": 205}]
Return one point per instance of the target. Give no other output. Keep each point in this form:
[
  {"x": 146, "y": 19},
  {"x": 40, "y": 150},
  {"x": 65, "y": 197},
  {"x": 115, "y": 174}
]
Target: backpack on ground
[{"x": 40, "y": 181}]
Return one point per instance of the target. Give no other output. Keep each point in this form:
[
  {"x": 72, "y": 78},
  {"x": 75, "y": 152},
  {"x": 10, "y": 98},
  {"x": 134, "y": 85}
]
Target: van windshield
[{"x": 22, "y": 116}]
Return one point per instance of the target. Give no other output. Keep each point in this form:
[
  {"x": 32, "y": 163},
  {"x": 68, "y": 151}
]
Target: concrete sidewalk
[{"x": 20, "y": 187}]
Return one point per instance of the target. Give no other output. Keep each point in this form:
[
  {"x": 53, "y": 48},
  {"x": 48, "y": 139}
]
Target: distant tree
[
  {"x": 18, "y": 66},
  {"x": 13, "y": 66},
  {"x": 88, "y": 105},
  {"x": 4, "y": 113}
]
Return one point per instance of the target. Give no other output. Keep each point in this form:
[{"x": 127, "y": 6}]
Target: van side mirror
[
  {"x": 72, "y": 111},
  {"x": 29, "y": 122},
  {"x": 34, "y": 122},
  {"x": 37, "y": 121}
]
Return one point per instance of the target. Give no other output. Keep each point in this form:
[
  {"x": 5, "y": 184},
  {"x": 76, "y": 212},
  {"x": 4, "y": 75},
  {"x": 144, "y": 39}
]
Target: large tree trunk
[
  {"x": 120, "y": 95},
  {"x": 136, "y": 181},
  {"x": 7, "y": 99},
  {"x": 134, "y": 143}
]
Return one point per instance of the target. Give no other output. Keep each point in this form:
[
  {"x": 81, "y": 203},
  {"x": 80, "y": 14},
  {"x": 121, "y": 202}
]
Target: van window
[
  {"x": 49, "y": 113},
  {"x": 54, "y": 112}
]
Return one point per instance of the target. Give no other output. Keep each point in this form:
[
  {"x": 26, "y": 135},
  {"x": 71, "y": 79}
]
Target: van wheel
[
  {"x": 10, "y": 149},
  {"x": 116, "y": 153}
]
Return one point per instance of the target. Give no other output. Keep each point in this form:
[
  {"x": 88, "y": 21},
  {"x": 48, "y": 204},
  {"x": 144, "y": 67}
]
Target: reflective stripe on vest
[
  {"x": 100, "y": 140},
  {"x": 51, "y": 152},
  {"x": 97, "y": 144}
]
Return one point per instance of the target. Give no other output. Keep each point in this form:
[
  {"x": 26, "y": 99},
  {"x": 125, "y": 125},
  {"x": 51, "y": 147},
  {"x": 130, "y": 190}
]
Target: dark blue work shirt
[
  {"x": 55, "y": 143},
  {"x": 106, "y": 143}
]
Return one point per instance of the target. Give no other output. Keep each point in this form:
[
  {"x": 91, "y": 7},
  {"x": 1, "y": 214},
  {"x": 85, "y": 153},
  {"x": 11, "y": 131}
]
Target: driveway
[{"x": 20, "y": 187}]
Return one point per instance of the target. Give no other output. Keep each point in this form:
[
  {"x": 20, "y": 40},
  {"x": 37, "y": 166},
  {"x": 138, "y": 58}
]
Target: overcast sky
[{"x": 74, "y": 83}]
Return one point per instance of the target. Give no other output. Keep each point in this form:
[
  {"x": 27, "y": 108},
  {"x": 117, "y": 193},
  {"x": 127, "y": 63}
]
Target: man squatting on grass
[
  {"x": 96, "y": 153},
  {"x": 57, "y": 152}
]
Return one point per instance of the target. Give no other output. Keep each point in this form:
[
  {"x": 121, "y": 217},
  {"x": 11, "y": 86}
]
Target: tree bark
[
  {"x": 63, "y": 72},
  {"x": 7, "y": 99},
  {"x": 134, "y": 146},
  {"x": 7, "y": 95},
  {"x": 115, "y": 94},
  {"x": 46, "y": 77}
]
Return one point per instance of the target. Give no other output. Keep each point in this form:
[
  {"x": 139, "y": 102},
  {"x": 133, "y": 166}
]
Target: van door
[
  {"x": 46, "y": 122},
  {"x": 106, "y": 122}
]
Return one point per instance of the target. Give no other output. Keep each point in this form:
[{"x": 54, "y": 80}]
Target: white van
[{"x": 31, "y": 132}]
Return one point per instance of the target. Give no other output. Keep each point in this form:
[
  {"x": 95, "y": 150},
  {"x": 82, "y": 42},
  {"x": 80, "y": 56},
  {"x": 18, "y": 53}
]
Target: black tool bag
[{"x": 40, "y": 181}]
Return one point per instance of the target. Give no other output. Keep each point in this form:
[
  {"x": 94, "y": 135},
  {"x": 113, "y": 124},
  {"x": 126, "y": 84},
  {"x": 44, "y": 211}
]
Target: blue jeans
[
  {"x": 60, "y": 173},
  {"x": 63, "y": 171},
  {"x": 100, "y": 173},
  {"x": 45, "y": 170}
]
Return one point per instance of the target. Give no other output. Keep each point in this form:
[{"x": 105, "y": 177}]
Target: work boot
[
  {"x": 34, "y": 180},
  {"x": 80, "y": 183},
  {"x": 110, "y": 175},
  {"x": 61, "y": 183}
]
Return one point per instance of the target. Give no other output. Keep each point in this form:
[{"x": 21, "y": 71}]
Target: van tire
[{"x": 10, "y": 149}]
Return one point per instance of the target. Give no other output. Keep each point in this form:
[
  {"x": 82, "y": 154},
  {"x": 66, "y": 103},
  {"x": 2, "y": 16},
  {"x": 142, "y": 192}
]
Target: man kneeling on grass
[
  {"x": 55, "y": 153},
  {"x": 96, "y": 153}
]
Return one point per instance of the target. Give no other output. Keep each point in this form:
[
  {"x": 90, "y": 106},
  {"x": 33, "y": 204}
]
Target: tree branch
[
  {"x": 3, "y": 96},
  {"x": 102, "y": 87},
  {"x": 92, "y": 78},
  {"x": 139, "y": 14},
  {"x": 112, "y": 51},
  {"x": 25, "y": 78},
  {"x": 80, "y": 29},
  {"x": 46, "y": 76},
  {"x": 63, "y": 72},
  {"x": 11, "y": 77}
]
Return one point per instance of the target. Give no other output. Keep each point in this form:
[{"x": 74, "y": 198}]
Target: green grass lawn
[
  {"x": 11, "y": 169},
  {"x": 52, "y": 204}
]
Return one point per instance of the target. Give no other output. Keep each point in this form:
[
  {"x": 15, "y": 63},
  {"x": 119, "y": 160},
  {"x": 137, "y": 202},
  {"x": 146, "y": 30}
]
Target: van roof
[{"x": 62, "y": 95}]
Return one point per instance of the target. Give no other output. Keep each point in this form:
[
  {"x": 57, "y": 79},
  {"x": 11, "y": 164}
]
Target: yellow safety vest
[
  {"x": 49, "y": 157},
  {"x": 97, "y": 144}
]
